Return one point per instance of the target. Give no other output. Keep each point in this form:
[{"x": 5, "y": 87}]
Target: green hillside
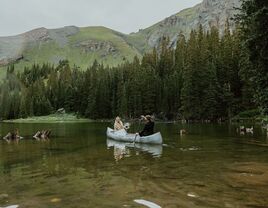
[
  {"x": 82, "y": 48},
  {"x": 2, "y": 73}
]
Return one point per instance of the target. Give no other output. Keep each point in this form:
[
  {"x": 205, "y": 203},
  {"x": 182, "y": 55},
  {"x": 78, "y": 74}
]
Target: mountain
[
  {"x": 81, "y": 46},
  {"x": 208, "y": 13}
]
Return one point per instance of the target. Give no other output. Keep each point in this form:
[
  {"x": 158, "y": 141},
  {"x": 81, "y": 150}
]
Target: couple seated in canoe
[{"x": 147, "y": 130}]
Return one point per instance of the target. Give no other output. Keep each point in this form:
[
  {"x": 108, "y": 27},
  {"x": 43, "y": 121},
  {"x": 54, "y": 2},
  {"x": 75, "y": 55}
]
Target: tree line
[{"x": 207, "y": 77}]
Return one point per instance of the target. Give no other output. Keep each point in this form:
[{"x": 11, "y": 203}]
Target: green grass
[
  {"x": 2, "y": 73},
  {"x": 187, "y": 13},
  {"x": 104, "y": 34},
  {"x": 53, "y": 118},
  {"x": 253, "y": 115},
  {"x": 97, "y": 33},
  {"x": 139, "y": 41}
]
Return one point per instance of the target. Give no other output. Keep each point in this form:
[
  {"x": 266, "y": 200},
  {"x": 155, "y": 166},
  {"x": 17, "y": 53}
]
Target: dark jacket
[{"x": 148, "y": 129}]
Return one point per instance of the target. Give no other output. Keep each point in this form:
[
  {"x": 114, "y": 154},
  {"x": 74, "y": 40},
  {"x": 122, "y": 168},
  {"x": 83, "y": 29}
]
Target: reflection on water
[
  {"x": 11, "y": 206},
  {"x": 120, "y": 149},
  {"x": 190, "y": 149},
  {"x": 123, "y": 149},
  {"x": 211, "y": 166}
]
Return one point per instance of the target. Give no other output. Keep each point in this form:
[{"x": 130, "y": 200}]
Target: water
[{"x": 212, "y": 166}]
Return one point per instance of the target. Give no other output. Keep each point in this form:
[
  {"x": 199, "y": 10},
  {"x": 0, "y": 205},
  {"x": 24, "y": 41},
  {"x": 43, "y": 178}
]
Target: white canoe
[{"x": 123, "y": 136}]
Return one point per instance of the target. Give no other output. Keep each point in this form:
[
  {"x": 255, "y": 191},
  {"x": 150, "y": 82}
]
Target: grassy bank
[
  {"x": 250, "y": 116},
  {"x": 53, "y": 118}
]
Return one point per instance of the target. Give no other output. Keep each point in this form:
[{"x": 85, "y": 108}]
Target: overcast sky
[{"x": 17, "y": 16}]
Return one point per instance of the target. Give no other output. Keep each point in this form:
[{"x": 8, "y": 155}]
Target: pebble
[
  {"x": 55, "y": 200},
  {"x": 193, "y": 195}
]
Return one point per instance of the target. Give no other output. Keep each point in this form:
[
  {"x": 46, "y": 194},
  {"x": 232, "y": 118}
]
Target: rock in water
[
  {"x": 11, "y": 206},
  {"x": 55, "y": 200},
  {"x": 193, "y": 195},
  {"x": 3, "y": 196}
]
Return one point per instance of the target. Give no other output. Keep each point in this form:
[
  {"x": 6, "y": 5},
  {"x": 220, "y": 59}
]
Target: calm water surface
[{"x": 212, "y": 166}]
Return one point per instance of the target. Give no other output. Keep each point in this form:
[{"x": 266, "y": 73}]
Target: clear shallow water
[{"x": 212, "y": 166}]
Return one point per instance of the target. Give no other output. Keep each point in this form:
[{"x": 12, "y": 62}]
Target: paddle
[
  {"x": 137, "y": 133},
  {"x": 135, "y": 138}
]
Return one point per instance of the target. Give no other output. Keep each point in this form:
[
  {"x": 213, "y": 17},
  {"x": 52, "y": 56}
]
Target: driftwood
[
  {"x": 12, "y": 136},
  {"x": 44, "y": 134}
]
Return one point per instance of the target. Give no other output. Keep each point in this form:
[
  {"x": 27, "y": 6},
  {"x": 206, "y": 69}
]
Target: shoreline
[
  {"x": 53, "y": 118},
  {"x": 71, "y": 118}
]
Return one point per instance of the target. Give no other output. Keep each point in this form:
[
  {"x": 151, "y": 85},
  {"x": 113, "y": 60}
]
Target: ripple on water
[{"x": 190, "y": 149}]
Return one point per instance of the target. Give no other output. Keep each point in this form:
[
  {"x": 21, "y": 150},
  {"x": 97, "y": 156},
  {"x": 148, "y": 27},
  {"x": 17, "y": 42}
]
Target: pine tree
[
  {"x": 190, "y": 91},
  {"x": 253, "y": 22}
]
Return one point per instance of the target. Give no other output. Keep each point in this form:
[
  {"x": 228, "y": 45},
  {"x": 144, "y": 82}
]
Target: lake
[{"x": 211, "y": 166}]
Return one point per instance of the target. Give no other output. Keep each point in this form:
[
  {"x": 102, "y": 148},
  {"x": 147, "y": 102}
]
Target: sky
[{"x": 18, "y": 16}]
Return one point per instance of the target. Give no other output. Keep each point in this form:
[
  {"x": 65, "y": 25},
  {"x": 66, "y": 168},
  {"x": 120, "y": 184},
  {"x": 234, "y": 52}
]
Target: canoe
[{"x": 123, "y": 136}]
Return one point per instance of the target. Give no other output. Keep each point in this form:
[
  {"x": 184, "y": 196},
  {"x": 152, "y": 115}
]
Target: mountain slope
[
  {"x": 81, "y": 46},
  {"x": 208, "y": 13}
]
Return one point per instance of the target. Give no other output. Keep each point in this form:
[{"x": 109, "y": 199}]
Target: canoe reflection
[{"x": 122, "y": 149}]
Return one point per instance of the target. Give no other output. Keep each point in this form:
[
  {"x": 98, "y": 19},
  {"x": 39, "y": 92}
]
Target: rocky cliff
[{"x": 208, "y": 13}]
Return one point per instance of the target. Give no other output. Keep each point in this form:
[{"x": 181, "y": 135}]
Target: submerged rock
[
  {"x": 3, "y": 196},
  {"x": 250, "y": 174},
  {"x": 55, "y": 200},
  {"x": 193, "y": 195}
]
